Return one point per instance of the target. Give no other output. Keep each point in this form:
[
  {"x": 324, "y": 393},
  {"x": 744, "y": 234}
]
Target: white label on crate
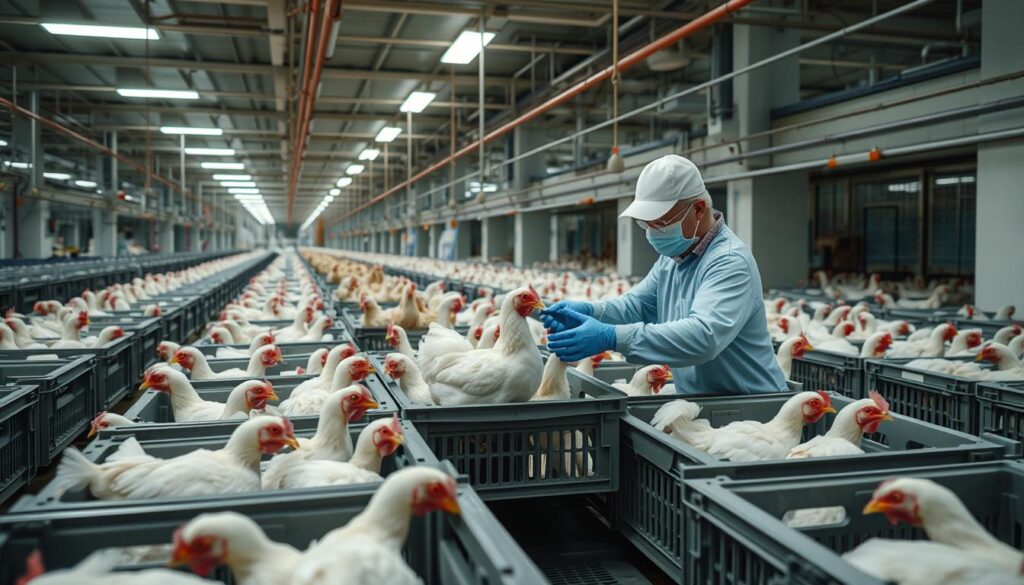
[{"x": 912, "y": 376}]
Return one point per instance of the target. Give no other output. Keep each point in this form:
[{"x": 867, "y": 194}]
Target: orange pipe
[
  {"x": 314, "y": 8},
  {"x": 626, "y": 62}
]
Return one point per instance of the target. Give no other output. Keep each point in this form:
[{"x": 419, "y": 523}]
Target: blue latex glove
[
  {"x": 582, "y": 336},
  {"x": 548, "y": 316}
]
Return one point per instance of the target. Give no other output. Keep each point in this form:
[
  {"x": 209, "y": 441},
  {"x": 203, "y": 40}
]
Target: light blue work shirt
[{"x": 703, "y": 310}]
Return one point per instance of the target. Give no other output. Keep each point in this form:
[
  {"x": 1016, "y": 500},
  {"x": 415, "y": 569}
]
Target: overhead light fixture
[
  {"x": 173, "y": 94},
  {"x": 238, "y": 183},
  {"x": 85, "y": 184},
  {"x": 417, "y": 101},
  {"x": 57, "y": 176},
  {"x": 192, "y": 131},
  {"x": 388, "y": 134},
  {"x": 329, "y": 199},
  {"x": 344, "y": 181},
  {"x": 3, "y": 143},
  {"x": 243, "y": 191},
  {"x": 354, "y": 169},
  {"x": 369, "y": 154},
  {"x": 333, "y": 192},
  {"x": 223, "y": 165},
  {"x": 24, "y": 165},
  {"x": 109, "y": 32},
  {"x": 466, "y": 47},
  {"x": 210, "y": 151},
  {"x": 231, "y": 177}
]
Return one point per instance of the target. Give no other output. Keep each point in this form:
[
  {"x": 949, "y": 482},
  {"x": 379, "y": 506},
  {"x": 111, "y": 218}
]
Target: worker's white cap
[{"x": 662, "y": 183}]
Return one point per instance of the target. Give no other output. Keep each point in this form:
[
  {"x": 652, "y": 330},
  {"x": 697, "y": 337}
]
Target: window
[{"x": 951, "y": 224}]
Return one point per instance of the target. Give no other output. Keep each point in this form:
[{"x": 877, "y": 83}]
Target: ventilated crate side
[
  {"x": 529, "y": 449},
  {"x": 1001, "y": 409},
  {"x": 735, "y": 534},
  {"x": 940, "y": 399},
  {"x": 66, "y": 399},
  {"x": 832, "y": 372},
  {"x": 989, "y": 327},
  {"x": 19, "y": 405}
]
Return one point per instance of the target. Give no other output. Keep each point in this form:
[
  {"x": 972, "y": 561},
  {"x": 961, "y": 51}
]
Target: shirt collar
[{"x": 705, "y": 242}]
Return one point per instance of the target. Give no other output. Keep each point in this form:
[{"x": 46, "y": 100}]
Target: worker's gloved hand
[
  {"x": 549, "y": 316},
  {"x": 581, "y": 337}
]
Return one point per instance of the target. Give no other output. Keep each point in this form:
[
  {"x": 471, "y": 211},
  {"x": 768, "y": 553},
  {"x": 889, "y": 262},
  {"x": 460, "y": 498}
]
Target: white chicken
[
  {"x": 794, "y": 347},
  {"x": 960, "y": 550},
  {"x": 508, "y": 372},
  {"x": 398, "y": 339},
  {"x": 188, "y": 406},
  {"x": 406, "y": 314},
  {"x": 322, "y": 383},
  {"x": 108, "y": 420},
  {"x": 647, "y": 381},
  {"x": 331, "y": 441},
  {"x": 257, "y": 342},
  {"x": 351, "y": 370},
  {"x": 744, "y": 440},
  {"x": 380, "y": 439},
  {"x": 404, "y": 370},
  {"x": 71, "y": 336},
  {"x": 195, "y": 362},
  {"x": 236, "y": 541},
  {"x": 1009, "y": 366},
  {"x": 934, "y": 346},
  {"x": 99, "y": 568},
  {"x": 850, "y": 424},
  {"x": 107, "y": 334},
  {"x": 368, "y": 548},
  {"x": 132, "y": 474},
  {"x": 1007, "y": 334},
  {"x": 165, "y": 351},
  {"x": 554, "y": 382}
]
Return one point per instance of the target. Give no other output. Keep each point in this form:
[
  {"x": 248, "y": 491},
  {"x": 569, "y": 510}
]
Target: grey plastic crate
[
  {"x": 155, "y": 407},
  {"x": 648, "y": 509},
  {"x": 736, "y": 535},
  {"x": 66, "y": 400},
  {"x": 19, "y": 412},
  {"x": 147, "y": 334},
  {"x": 373, "y": 338},
  {"x": 53, "y": 500},
  {"x": 941, "y": 399},
  {"x": 172, "y": 319},
  {"x": 527, "y": 449},
  {"x": 832, "y": 372},
  {"x": 470, "y": 549},
  {"x": 287, "y": 348},
  {"x": 290, "y": 363},
  {"x": 1001, "y": 409}
]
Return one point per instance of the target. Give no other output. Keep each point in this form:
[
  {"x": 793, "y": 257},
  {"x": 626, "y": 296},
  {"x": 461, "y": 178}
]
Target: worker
[{"x": 699, "y": 310}]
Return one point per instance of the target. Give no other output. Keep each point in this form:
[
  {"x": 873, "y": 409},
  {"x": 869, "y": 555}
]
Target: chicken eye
[
  {"x": 896, "y": 497},
  {"x": 275, "y": 430}
]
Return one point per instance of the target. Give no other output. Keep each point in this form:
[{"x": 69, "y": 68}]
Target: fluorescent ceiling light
[
  {"x": 465, "y": 48},
  {"x": 333, "y": 192},
  {"x": 329, "y": 199},
  {"x": 85, "y": 184},
  {"x": 242, "y": 197},
  {"x": 354, "y": 169},
  {"x": 110, "y": 32},
  {"x": 225, "y": 166},
  {"x": 211, "y": 151},
  {"x": 57, "y": 176},
  {"x": 369, "y": 154},
  {"x": 238, "y": 183},
  {"x": 243, "y": 191},
  {"x": 20, "y": 165},
  {"x": 231, "y": 177},
  {"x": 174, "y": 94},
  {"x": 192, "y": 131},
  {"x": 417, "y": 101},
  {"x": 388, "y": 134},
  {"x": 344, "y": 181},
  {"x": 3, "y": 143}
]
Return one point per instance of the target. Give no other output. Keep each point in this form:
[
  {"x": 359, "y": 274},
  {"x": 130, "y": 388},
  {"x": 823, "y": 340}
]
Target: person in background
[{"x": 699, "y": 309}]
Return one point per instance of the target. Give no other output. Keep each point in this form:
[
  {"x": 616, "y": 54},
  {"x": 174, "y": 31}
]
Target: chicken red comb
[
  {"x": 879, "y": 400},
  {"x": 33, "y": 568},
  {"x": 825, "y": 396}
]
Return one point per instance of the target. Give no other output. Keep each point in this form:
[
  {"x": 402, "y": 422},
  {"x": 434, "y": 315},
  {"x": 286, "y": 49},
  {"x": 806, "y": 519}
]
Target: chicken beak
[
  {"x": 830, "y": 409},
  {"x": 668, "y": 376},
  {"x": 887, "y": 418},
  {"x": 808, "y": 347},
  {"x": 539, "y": 305},
  {"x": 174, "y": 360},
  {"x": 398, "y": 440},
  {"x": 875, "y": 506},
  {"x": 369, "y": 404},
  {"x": 93, "y": 430},
  {"x": 450, "y": 505},
  {"x": 181, "y": 556},
  {"x": 291, "y": 442},
  {"x": 145, "y": 384},
  {"x": 272, "y": 396},
  {"x": 980, "y": 357}
]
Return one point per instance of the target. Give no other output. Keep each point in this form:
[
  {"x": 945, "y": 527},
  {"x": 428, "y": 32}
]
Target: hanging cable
[{"x": 615, "y": 162}]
